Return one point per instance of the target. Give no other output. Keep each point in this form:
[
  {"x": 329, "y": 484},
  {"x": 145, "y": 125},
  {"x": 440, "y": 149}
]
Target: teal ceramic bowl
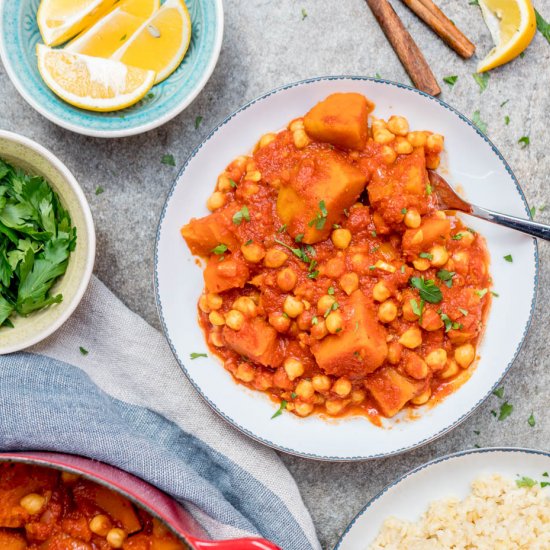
[{"x": 19, "y": 35}]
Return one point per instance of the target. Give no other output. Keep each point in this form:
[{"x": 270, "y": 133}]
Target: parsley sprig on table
[{"x": 36, "y": 239}]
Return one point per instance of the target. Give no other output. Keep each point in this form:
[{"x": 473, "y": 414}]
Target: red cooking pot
[{"x": 146, "y": 496}]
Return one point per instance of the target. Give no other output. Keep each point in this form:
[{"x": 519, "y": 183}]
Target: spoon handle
[{"x": 540, "y": 230}]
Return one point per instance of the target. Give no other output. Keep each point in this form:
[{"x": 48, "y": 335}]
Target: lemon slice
[
  {"x": 91, "y": 82},
  {"x": 60, "y": 20},
  {"x": 512, "y": 25},
  {"x": 161, "y": 42},
  {"x": 115, "y": 28}
]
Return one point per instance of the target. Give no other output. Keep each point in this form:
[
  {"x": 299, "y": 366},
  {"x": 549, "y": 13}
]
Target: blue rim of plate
[
  {"x": 483, "y": 450},
  {"x": 230, "y": 420},
  {"x": 19, "y": 33}
]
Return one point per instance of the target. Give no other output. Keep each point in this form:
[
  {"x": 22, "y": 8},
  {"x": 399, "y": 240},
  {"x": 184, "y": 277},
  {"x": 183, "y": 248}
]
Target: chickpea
[
  {"x": 440, "y": 256},
  {"x": 464, "y": 355},
  {"x": 467, "y": 238},
  {"x": 411, "y": 338},
  {"x": 416, "y": 367},
  {"x": 253, "y": 253},
  {"x": 407, "y": 311},
  {"x": 342, "y": 387},
  {"x": 214, "y": 301},
  {"x": 423, "y": 398},
  {"x": 334, "y": 406},
  {"x": 334, "y": 268},
  {"x": 100, "y": 525},
  {"x": 417, "y": 139},
  {"x": 286, "y": 279},
  {"x": 358, "y": 261},
  {"x": 341, "y": 238},
  {"x": 349, "y": 282},
  {"x": 234, "y": 319},
  {"x": 387, "y": 311},
  {"x": 321, "y": 382},
  {"x": 450, "y": 370},
  {"x": 403, "y": 147},
  {"x": 246, "y": 306},
  {"x": 293, "y": 368},
  {"x": 358, "y": 396},
  {"x": 412, "y": 218},
  {"x": 216, "y": 318},
  {"x": 381, "y": 292},
  {"x": 303, "y": 409},
  {"x": 422, "y": 264},
  {"x": 216, "y": 339},
  {"x": 394, "y": 353},
  {"x": 245, "y": 372},
  {"x": 325, "y": 303},
  {"x": 398, "y": 125},
  {"x": 216, "y": 201},
  {"x": 293, "y": 307},
  {"x": 431, "y": 320},
  {"x": 275, "y": 258},
  {"x": 383, "y": 136},
  {"x": 432, "y": 162},
  {"x": 388, "y": 154},
  {"x": 297, "y": 124},
  {"x": 461, "y": 258},
  {"x": 378, "y": 124},
  {"x": 248, "y": 189},
  {"x": 319, "y": 330},
  {"x": 253, "y": 175},
  {"x": 434, "y": 143},
  {"x": 279, "y": 322},
  {"x": 224, "y": 183},
  {"x": 304, "y": 389},
  {"x": 436, "y": 359},
  {"x": 32, "y": 503},
  {"x": 300, "y": 138},
  {"x": 267, "y": 139},
  {"x": 116, "y": 537},
  {"x": 334, "y": 322}
]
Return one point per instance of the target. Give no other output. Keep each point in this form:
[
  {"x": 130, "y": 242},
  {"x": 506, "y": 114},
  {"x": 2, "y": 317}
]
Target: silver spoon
[{"x": 447, "y": 199}]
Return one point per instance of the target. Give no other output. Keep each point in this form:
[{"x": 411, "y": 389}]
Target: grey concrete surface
[{"x": 268, "y": 43}]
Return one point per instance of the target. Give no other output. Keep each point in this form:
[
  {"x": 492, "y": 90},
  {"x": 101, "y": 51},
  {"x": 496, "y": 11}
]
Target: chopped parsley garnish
[
  {"x": 83, "y": 351},
  {"x": 373, "y": 233},
  {"x": 476, "y": 119},
  {"x": 481, "y": 292},
  {"x": 99, "y": 190},
  {"x": 450, "y": 80},
  {"x": 294, "y": 395},
  {"x": 482, "y": 80},
  {"x": 428, "y": 189},
  {"x": 532, "y": 211},
  {"x": 336, "y": 226},
  {"x": 506, "y": 120},
  {"x": 509, "y": 258},
  {"x": 463, "y": 311},
  {"x": 525, "y": 482},
  {"x": 499, "y": 392},
  {"x": 242, "y": 214},
  {"x": 219, "y": 250},
  {"x": 417, "y": 309},
  {"x": 168, "y": 160},
  {"x": 524, "y": 141},
  {"x": 429, "y": 291},
  {"x": 426, "y": 255},
  {"x": 495, "y": 294},
  {"x": 456, "y": 237},
  {"x": 403, "y": 211},
  {"x": 282, "y": 229},
  {"x": 505, "y": 410},
  {"x": 473, "y": 2},
  {"x": 280, "y": 410},
  {"x": 315, "y": 320},
  {"x": 504, "y": 103},
  {"x": 403, "y": 268},
  {"x": 321, "y": 218},
  {"x": 333, "y": 307},
  {"x": 249, "y": 242},
  {"x": 543, "y": 26},
  {"x": 449, "y": 324},
  {"x": 232, "y": 183},
  {"x": 304, "y": 13},
  {"x": 446, "y": 277},
  {"x": 198, "y": 121},
  {"x": 477, "y": 432},
  {"x": 299, "y": 237},
  {"x": 313, "y": 275},
  {"x": 531, "y": 420},
  {"x": 330, "y": 290},
  {"x": 197, "y": 355}
]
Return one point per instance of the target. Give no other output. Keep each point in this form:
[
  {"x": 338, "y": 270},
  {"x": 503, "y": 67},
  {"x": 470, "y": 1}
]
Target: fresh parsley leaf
[
  {"x": 543, "y": 26},
  {"x": 83, "y": 351},
  {"x": 232, "y": 183},
  {"x": 304, "y": 13},
  {"x": 505, "y": 410},
  {"x": 449, "y": 324},
  {"x": 495, "y": 294},
  {"x": 294, "y": 395},
  {"x": 446, "y": 277},
  {"x": 299, "y": 238},
  {"x": 168, "y": 160},
  {"x": 426, "y": 255},
  {"x": 330, "y": 309},
  {"x": 99, "y": 190},
  {"x": 509, "y": 258},
  {"x": 417, "y": 309},
  {"x": 321, "y": 218},
  {"x": 473, "y": 2},
  {"x": 531, "y": 420},
  {"x": 330, "y": 291},
  {"x": 280, "y": 410},
  {"x": 545, "y": 474},
  {"x": 504, "y": 103},
  {"x": 197, "y": 355},
  {"x": 532, "y": 211},
  {"x": 428, "y": 189},
  {"x": 481, "y": 292},
  {"x": 456, "y": 237},
  {"x": 525, "y": 481},
  {"x": 544, "y": 484},
  {"x": 403, "y": 211},
  {"x": 428, "y": 290},
  {"x": 476, "y": 119},
  {"x": 450, "y": 80},
  {"x": 282, "y": 229},
  {"x": 506, "y": 120},
  {"x": 477, "y": 432},
  {"x": 482, "y": 80},
  {"x": 524, "y": 141},
  {"x": 220, "y": 249},
  {"x": 499, "y": 392},
  {"x": 198, "y": 121},
  {"x": 242, "y": 214},
  {"x": 249, "y": 242}
]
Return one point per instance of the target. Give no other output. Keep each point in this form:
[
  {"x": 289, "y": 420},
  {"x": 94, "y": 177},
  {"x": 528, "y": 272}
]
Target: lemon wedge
[
  {"x": 161, "y": 42},
  {"x": 512, "y": 25},
  {"x": 60, "y": 20},
  {"x": 90, "y": 82},
  {"x": 115, "y": 28}
]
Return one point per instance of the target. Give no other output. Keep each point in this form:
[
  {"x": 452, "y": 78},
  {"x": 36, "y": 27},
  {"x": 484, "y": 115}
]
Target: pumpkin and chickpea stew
[
  {"x": 45, "y": 509},
  {"x": 332, "y": 281}
]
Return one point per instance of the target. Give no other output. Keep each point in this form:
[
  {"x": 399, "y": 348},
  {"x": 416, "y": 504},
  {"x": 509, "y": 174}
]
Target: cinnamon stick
[
  {"x": 405, "y": 47},
  {"x": 442, "y": 26}
]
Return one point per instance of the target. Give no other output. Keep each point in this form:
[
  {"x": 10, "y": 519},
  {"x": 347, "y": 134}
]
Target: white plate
[
  {"x": 450, "y": 476},
  {"x": 472, "y": 161}
]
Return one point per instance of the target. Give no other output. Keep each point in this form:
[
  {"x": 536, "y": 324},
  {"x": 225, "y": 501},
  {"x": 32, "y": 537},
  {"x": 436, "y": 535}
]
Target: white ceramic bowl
[
  {"x": 31, "y": 157},
  {"x": 450, "y": 476},
  {"x": 487, "y": 180}
]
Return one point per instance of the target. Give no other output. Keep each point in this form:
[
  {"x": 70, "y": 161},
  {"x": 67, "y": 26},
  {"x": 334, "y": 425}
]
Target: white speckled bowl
[{"x": 35, "y": 159}]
